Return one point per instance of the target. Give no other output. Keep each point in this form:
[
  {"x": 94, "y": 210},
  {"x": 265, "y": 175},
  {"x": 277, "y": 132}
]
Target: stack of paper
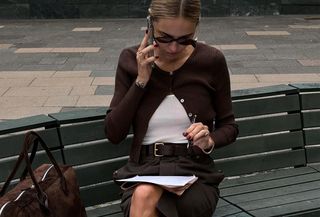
[{"x": 174, "y": 184}]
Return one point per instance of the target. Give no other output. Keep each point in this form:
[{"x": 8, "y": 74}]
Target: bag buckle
[{"x": 155, "y": 149}]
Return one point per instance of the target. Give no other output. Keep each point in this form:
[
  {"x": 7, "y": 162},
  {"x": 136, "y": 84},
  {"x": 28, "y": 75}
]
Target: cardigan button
[
  {"x": 190, "y": 114},
  {"x": 182, "y": 100}
]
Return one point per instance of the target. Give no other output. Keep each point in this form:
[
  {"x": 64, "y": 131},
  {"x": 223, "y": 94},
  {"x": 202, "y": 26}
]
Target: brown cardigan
[{"x": 202, "y": 85}]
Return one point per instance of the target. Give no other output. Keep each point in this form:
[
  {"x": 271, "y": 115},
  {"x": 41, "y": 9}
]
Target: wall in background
[{"x": 13, "y": 9}]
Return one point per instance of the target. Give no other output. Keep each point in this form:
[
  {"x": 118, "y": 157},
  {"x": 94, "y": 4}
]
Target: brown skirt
[{"x": 199, "y": 200}]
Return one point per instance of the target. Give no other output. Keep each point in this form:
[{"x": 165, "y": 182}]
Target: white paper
[{"x": 170, "y": 181}]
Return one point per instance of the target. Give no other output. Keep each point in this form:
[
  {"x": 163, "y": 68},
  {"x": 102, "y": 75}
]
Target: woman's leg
[
  {"x": 200, "y": 200},
  {"x": 144, "y": 200}
]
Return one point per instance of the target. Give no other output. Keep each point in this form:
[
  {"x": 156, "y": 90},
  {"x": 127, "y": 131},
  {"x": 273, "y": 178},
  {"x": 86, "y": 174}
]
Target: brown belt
[{"x": 161, "y": 149}]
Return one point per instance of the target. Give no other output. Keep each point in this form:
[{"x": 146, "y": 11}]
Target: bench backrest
[
  {"x": 270, "y": 131},
  {"x": 310, "y": 103},
  {"x": 271, "y": 136}
]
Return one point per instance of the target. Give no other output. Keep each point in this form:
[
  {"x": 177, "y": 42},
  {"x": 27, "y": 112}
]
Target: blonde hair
[{"x": 189, "y": 9}]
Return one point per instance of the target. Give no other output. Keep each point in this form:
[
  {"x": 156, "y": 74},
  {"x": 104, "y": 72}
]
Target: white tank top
[{"x": 167, "y": 123}]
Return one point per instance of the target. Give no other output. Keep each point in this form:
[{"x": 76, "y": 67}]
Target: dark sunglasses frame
[{"x": 182, "y": 40}]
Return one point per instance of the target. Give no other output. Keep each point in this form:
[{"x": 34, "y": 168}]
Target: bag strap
[
  {"x": 30, "y": 138},
  {"x": 32, "y": 155}
]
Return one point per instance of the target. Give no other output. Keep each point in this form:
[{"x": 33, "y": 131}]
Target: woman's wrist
[{"x": 209, "y": 149}]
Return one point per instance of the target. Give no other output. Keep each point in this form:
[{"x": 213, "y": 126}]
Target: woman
[{"x": 175, "y": 93}]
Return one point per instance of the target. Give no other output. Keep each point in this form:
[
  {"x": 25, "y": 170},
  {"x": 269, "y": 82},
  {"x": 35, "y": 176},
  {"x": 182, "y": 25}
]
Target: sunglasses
[{"x": 182, "y": 40}]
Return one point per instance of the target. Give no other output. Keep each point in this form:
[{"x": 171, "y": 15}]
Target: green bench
[{"x": 272, "y": 169}]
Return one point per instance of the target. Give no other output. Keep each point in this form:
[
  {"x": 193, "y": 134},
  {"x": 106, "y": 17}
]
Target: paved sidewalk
[{"x": 49, "y": 66}]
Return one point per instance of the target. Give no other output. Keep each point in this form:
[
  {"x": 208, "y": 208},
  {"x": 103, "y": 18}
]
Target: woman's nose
[{"x": 173, "y": 46}]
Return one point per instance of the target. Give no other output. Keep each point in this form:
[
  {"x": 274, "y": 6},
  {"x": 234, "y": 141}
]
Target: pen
[{"x": 193, "y": 120}]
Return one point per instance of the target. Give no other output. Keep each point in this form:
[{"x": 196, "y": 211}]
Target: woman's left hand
[{"x": 199, "y": 134}]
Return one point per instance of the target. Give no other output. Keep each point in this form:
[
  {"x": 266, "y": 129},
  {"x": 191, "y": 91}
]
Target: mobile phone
[{"x": 150, "y": 30}]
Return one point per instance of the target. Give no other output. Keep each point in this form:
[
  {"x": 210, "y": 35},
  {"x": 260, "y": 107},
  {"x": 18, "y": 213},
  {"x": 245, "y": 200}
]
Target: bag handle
[{"x": 32, "y": 137}]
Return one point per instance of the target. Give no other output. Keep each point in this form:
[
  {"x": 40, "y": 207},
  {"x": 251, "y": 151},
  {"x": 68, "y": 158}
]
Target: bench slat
[
  {"x": 312, "y": 136},
  {"x": 313, "y": 154},
  {"x": 106, "y": 210},
  {"x": 249, "y": 164},
  {"x": 270, "y": 188},
  {"x": 6, "y": 165},
  {"x": 275, "y": 195},
  {"x": 263, "y": 91},
  {"x": 311, "y": 119},
  {"x": 266, "y": 106},
  {"x": 98, "y": 172},
  {"x": 307, "y": 87},
  {"x": 260, "y": 144},
  {"x": 310, "y": 101},
  {"x": 84, "y": 132},
  {"x": 80, "y": 116},
  {"x": 226, "y": 209},
  {"x": 269, "y": 124},
  {"x": 266, "y": 176},
  {"x": 282, "y": 207},
  {"x": 99, "y": 193},
  {"x": 95, "y": 151},
  {"x": 11, "y": 144},
  {"x": 12, "y": 126}
]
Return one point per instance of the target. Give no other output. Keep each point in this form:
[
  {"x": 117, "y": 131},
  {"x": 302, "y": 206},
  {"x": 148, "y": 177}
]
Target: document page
[{"x": 169, "y": 181}]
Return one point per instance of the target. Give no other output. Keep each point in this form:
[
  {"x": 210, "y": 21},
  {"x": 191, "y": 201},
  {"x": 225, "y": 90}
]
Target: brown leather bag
[{"x": 50, "y": 190}]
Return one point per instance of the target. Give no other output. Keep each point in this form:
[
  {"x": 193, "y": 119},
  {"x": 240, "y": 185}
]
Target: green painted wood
[
  {"x": 12, "y": 126},
  {"x": 98, "y": 172},
  {"x": 315, "y": 166},
  {"x": 272, "y": 124},
  {"x": 96, "y": 151},
  {"x": 11, "y": 144},
  {"x": 279, "y": 206},
  {"x": 311, "y": 119},
  {"x": 262, "y": 106},
  {"x": 310, "y": 213},
  {"x": 310, "y": 101},
  {"x": 307, "y": 87},
  {"x": 263, "y": 91},
  {"x": 80, "y": 116},
  {"x": 261, "y": 162},
  {"x": 312, "y": 136},
  {"x": 225, "y": 209},
  {"x": 234, "y": 192},
  {"x": 260, "y": 144},
  {"x": 105, "y": 210},
  {"x": 99, "y": 193},
  {"x": 83, "y": 132},
  {"x": 274, "y": 188},
  {"x": 266, "y": 176},
  {"x": 7, "y": 164},
  {"x": 313, "y": 154}
]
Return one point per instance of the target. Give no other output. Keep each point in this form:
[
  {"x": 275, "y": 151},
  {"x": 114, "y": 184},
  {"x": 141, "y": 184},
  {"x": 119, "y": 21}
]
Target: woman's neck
[{"x": 171, "y": 65}]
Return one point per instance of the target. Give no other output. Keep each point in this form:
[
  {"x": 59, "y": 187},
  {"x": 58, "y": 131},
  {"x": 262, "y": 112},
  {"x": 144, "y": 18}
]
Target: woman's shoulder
[
  {"x": 205, "y": 49},
  {"x": 129, "y": 51}
]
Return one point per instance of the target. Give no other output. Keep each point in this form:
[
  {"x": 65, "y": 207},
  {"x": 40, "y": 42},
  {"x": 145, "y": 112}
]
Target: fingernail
[
  {"x": 157, "y": 57},
  {"x": 155, "y": 45},
  {"x": 146, "y": 31},
  {"x": 184, "y": 133},
  {"x": 189, "y": 137}
]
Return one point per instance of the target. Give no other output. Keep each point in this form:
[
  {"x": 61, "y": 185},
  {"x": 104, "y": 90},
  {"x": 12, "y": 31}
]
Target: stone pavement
[{"x": 49, "y": 66}]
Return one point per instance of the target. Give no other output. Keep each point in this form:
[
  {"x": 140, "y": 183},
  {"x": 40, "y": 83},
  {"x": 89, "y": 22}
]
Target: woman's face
[{"x": 173, "y": 28}]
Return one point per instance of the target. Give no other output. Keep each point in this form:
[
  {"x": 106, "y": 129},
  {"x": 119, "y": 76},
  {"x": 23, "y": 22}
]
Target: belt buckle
[{"x": 155, "y": 149}]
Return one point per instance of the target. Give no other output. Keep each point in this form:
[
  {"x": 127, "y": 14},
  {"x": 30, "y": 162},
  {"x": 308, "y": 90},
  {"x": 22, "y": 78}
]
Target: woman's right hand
[{"x": 145, "y": 60}]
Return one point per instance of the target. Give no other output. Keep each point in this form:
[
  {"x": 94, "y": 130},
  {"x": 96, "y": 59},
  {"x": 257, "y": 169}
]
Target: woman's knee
[{"x": 147, "y": 192}]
